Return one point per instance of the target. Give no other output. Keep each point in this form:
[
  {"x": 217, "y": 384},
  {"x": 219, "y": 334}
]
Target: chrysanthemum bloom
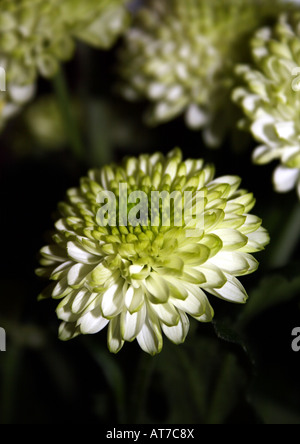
[
  {"x": 271, "y": 99},
  {"x": 180, "y": 56},
  {"x": 36, "y": 35},
  {"x": 144, "y": 279}
]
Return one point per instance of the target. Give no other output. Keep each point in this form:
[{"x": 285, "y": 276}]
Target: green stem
[
  {"x": 113, "y": 375},
  {"x": 288, "y": 240},
  {"x": 140, "y": 389},
  {"x": 197, "y": 391},
  {"x": 98, "y": 124},
  {"x": 62, "y": 94},
  {"x": 222, "y": 398}
]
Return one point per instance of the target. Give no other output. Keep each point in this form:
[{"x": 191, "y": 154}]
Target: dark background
[{"x": 239, "y": 370}]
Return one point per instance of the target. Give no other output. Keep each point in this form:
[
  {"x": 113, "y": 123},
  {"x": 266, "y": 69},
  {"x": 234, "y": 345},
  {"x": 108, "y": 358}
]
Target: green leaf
[
  {"x": 228, "y": 386},
  {"x": 228, "y": 334},
  {"x": 272, "y": 291}
]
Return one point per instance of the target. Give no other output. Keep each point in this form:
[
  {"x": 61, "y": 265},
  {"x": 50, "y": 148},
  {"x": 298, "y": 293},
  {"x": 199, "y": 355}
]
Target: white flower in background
[
  {"x": 37, "y": 35},
  {"x": 271, "y": 99},
  {"x": 144, "y": 280},
  {"x": 179, "y": 55}
]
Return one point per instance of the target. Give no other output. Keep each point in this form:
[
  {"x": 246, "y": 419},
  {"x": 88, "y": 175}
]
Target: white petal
[
  {"x": 166, "y": 313},
  {"x": 134, "y": 299},
  {"x": 92, "y": 322},
  {"x": 62, "y": 270},
  {"x": 64, "y": 309},
  {"x": 82, "y": 300},
  {"x": 178, "y": 333},
  {"x": 288, "y": 153},
  {"x": 212, "y": 138},
  {"x": 68, "y": 330},
  {"x": 54, "y": 253},
  {"x": 194, "y": 304},
  {"x": 22, "y": 94},
  {"x": 150, "y": 337},
  {"x": 157, "y": 287},
  {"x": 99, "y": 275},
  {"x": 135, "y": 269},
  {"x": 233, "y": 181},
  {"x": 77, "y": 273},
  {"x": 235, "y": 263},
  {"x": 252, "y": 223},
  {"x": 265, "y": 154},
  {"x": 208, "y": 313},
  {"x": 263, "y": 130},
  {"x": 232, "y": 291},
  {"x": 171, "y": 168},
  {"x": 215, "y": 278},
  {"x": 10, "y": 110},
  {"x": 250, "y": 102},
  {"x": 232, "y": 239},
  {"x": 174, "y": 93},
  {"x": 79, "y": 254},
  {"x": 113, "y": 300},
  {"x": 107, "y": 175},
  {"x": 177, "y": 288},
  {"x": 195, "y": 117},
  {"x": 285, "y": 179},
  {"x": 156, "y": 90},
  {"x": 131, "y": 324},
  {"x": 61, "y": 289},
  {"x": 285, "y": 130},
  {"x": 256, "y": 241}
]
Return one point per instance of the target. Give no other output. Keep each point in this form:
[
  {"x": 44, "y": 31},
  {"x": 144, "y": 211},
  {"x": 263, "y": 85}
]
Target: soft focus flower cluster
[
  {"x": 143, "y": 280},
  {"x": 37, "y": 35},
  {"x": 271, "y": 99},
  {"x": 180, "y": 56}
]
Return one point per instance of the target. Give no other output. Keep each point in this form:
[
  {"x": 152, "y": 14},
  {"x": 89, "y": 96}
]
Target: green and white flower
[
  {"x": 142, "y": 281},
  {"x": 271, "y": 99},
  {"x": 180, "y": 55},
  {"x": 37, "y": 35}
]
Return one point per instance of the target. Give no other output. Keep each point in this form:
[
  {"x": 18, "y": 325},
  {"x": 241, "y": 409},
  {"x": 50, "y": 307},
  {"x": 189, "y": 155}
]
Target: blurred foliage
[{"x": 239, "y": 370}]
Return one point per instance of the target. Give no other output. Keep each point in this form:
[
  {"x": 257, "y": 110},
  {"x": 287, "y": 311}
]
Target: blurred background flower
[
  {"x": 180, "y": 56},
  {"x": 36, "y": 36},
  {"x": 271, "y": 100}
]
